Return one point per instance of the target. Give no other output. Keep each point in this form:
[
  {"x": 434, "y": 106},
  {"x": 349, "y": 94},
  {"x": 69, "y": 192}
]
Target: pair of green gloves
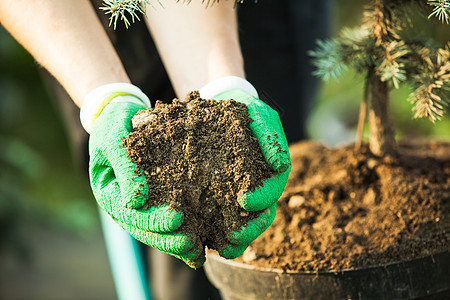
[{"x": 106, "y": 114}]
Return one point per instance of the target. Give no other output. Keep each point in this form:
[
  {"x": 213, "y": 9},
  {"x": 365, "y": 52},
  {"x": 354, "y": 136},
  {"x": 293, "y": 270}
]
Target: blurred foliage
[{"x": 39, "y": 184}]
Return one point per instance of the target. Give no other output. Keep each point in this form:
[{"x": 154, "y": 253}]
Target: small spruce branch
[
  {"x": 380, "y": 17},
  {"x": 392, "y": 67},
  {"x": 432, "y": 93},
  {"x": 351, "y": 49},
  {"x": 128, "y": 11},
  {"x": 441, "y": 10},
  {"x": 124, "y": 10},
  {"x": 329, "y": 60}
]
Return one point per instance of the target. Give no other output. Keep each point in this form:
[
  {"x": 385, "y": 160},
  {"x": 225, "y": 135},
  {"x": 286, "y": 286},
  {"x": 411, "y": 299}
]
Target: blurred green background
[
  {"x": 50, "y": 241},
  {"x": 51, "y": 245}
]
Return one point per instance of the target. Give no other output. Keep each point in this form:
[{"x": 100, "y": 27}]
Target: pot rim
[{"x": 215, "y": 256}]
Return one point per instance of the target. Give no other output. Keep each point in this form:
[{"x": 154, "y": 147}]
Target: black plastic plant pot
[{"x": 424, "y": 278}]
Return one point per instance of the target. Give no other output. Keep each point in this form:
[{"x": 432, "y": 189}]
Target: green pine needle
[
  {"x": 441, "y": 10},
  {"x": 328, "y": 60},
  {"x": 394, "y": 73},
  {"x": 351, "y": 48},
  {"x": 123, "y": 10}
]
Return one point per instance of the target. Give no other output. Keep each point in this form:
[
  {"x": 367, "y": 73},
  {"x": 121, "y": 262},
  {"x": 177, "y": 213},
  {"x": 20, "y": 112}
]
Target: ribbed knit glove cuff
[
  {"x": 225, "y": 84},
  {"x": 97, "y": 99}
]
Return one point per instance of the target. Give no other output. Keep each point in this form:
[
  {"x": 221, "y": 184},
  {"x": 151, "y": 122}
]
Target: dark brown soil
[
  {"x": 198, "y": 156},
  {"x": 342, "y": 210}
]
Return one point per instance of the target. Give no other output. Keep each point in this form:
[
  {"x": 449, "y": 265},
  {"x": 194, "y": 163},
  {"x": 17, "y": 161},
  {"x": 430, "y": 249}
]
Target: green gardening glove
[
  {"x": 267, "y": 128},
  {"x": 117, "y": 189}
]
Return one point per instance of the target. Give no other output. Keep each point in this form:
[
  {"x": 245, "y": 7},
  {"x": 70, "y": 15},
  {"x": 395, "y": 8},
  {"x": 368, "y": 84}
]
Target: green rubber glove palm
[
  {"x": 121, "y": 193},
  {"x": 267, "y": 128}
]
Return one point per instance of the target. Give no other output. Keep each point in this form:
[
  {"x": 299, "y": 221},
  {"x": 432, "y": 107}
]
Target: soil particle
[
  {"x": 343, "y": 209},
  {"x": 198, "y": 157}
]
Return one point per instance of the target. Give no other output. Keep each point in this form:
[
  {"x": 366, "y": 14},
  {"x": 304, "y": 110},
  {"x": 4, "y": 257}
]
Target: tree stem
[{"x": 382, "y": 132}]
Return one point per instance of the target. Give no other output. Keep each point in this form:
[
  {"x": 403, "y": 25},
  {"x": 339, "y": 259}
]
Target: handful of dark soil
[{"x": 198, "y": 157}]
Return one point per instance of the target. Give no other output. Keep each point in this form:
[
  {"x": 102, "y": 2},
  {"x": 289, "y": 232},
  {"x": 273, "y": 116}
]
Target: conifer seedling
[{"x": 387, "y": 58}]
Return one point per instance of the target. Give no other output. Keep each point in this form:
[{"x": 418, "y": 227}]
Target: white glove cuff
[
  {"x": 97, "y": 99},
  {"x": 227, "y": 83}
]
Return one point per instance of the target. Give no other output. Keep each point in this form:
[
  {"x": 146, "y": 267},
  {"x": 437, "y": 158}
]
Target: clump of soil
[
  {"x": 198, "y": 157},
  {"x": 343, "y": 209}
]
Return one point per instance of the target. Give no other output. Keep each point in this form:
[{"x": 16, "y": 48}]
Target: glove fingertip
[
  {"x": 176, "y": 217},
  {"x": 281, "y": 161},
  {"x": 254, "y": 228},
  {"x": 232, "y": 251},
  {"x": 135, "y": 194},
  {"x": 172, "y": 218},
  {"x": 185, "y": 243},
  {"x": 255, "y": 200},
  {"x": 266, "y": 194},
  {"x": 261, "y": 198},
  {"x": 234, "y": 236},
  {"x": 197, "y": 263},
  {"x": 136, "y": 201},
  {"x": 195, "y": 257},
  {"x": 159, "y": 219},
  {"x": 243, "y": 201}
]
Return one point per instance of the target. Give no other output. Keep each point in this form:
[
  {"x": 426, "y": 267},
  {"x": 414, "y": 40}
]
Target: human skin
[
  {"x": 197, "y": 44},
  {"x": 67, "y": 39}
]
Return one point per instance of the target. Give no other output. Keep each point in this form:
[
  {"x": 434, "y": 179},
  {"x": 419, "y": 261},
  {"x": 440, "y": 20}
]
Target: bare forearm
[
  {"x": 65, "y": 37},
  {"x": 197, "y": 44}
]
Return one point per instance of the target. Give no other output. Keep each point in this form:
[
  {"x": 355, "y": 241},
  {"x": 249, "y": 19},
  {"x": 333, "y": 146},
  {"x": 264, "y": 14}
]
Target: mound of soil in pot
[
  {"x": 343, "y": 209},
  {"x": 198, "y": 157}
]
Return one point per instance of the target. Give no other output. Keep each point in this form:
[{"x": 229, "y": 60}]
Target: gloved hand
[
  {"x": 267, "y": 128},
  {"x": 108, "y": 111}
]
